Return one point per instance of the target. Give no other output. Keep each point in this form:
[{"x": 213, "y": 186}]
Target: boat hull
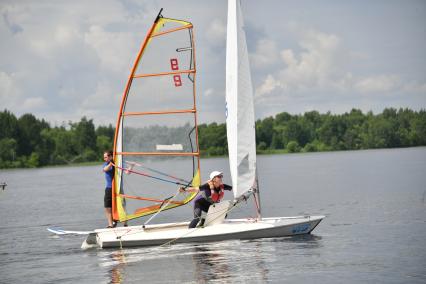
[{"x": 163, "y": 234}]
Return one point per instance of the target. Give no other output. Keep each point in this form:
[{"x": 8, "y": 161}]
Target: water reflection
[
  {"x": 306, "y": 240},
  {"x": 241, "y": 261},
  {"x": 261, "y": 266},
  {"x": 210, "y": 264},
  {"x": 231, "y": 261},
  {"x": 117, "y": 270}
]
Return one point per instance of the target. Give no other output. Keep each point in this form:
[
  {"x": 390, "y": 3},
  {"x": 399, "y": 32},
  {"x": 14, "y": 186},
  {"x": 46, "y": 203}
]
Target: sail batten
[
  {"x": 164, "y": 73},
  {"x": 160, "y": 112},
  {"x": 195, "y": 154},
  {"x": 189, "y": 26}
]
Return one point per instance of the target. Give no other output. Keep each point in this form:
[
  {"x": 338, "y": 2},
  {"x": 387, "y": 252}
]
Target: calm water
[{"x": 375, "y": 230}]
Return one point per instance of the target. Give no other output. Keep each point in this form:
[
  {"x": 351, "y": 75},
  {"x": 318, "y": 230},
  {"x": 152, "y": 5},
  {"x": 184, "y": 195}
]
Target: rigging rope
[
  {"x": 155, "y": 171},
  {"x": 147, "y": 175},
  {"x": 161, "y": 208}
]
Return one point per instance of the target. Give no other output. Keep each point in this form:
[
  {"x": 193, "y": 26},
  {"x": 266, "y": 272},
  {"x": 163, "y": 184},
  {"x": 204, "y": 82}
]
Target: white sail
[{"x": 239, "y": 105}]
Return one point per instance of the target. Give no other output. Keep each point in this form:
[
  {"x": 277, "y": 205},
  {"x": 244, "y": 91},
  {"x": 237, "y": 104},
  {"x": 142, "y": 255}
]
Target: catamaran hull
[{"x": 155, "y": 235}]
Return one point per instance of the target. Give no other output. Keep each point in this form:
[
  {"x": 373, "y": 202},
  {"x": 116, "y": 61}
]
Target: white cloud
[
  {"x": 65, "y": 35},
  {"x": 7, "y": 85},
  {"x": 319, "y": 70},
  {"x": 101, "y": 97},
  {"x": 315, "y": 66},
  {"x": 209, "y": 92},
  {"x": 48, "y": 42},
  {"x": 415, "y": 87},
  {"x": 32, "y": 104},
  {"x": 379, "y": 83},
  {"x": 318, "y": 74},
  {"x": 9, "y": 92},
  {"x": 110, "y": 47},
  {"x": 265, "y": 54},
  {"x": 268, "y": 86},
  {"x": 216, "y": 32},
  {"x": 288, "y": 57}
]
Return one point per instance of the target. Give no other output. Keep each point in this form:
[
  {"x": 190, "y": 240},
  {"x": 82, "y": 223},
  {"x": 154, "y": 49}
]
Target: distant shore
[{"x": 28, "y": 142}]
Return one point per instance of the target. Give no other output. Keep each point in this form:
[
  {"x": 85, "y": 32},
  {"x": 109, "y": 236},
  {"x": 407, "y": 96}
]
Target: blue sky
[{"x": 61, "y": 60}]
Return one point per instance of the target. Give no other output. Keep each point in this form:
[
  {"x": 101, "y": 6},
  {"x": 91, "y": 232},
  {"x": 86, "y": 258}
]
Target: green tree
[
  {"x": 33, "y": 160},
  {"x": 212, "y": 139},
  {"x": 103, "y": 143},
  {"x": 84, "y": 135},
  {"x": 107, "y": 131},
  {"x": 30, "y": 142},
  {"x": 65, "y": 150},
  {"x": 264, "y": 130},
  {"x": 417, "y": 134},
  {"x": 331, "y": 132},
  {"x": 8, "y": 149},
  {"x": 30, "y": 133},
  {"x": 293, "y": 147},
  {"x": 45, "y": 148},
  {"x": 8, "y": 125}
]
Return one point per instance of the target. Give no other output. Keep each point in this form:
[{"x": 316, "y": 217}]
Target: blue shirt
[{"x": 109, "y": 175}]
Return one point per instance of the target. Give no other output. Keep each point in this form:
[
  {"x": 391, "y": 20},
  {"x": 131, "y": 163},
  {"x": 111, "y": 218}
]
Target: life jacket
[{"x": 217, "y": 196}]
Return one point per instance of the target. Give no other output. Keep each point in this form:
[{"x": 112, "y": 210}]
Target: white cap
[{"x": 214, "y": 174}]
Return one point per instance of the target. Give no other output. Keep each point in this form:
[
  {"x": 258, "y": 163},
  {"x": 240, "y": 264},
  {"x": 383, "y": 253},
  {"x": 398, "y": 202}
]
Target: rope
[
  {"x": 162, "y": 207},
  {"x": 152, "y": 217},
  {"x": 156, "y": 171},
  {"x": 147, "y": 175},
  {"x": 118, "y": 237}
]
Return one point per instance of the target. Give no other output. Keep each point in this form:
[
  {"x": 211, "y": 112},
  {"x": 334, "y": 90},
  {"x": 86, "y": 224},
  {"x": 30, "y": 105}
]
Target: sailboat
[{"x": 165, "y": 69}]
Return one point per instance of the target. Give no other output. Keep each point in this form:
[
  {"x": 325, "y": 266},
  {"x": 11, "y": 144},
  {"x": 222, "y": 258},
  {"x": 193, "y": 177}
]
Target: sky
[{"x": 61, "y": 60}]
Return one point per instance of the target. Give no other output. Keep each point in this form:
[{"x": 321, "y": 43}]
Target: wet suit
[{"x": 204, "y": 200}]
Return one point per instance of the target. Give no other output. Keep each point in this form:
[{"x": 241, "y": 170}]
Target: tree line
[
  {"x": 30, "y": 142},
  {"x": 314, "y": 132}
]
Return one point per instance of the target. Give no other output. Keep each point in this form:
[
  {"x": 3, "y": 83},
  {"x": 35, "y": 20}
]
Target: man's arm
[
  {"x": 227, "y": 187},
  {"x": 108, "y": 167},
  {"x": 189, "y": 189}
]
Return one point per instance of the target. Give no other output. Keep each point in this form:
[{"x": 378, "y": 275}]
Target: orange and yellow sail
[{"x": 156, "y": 140}]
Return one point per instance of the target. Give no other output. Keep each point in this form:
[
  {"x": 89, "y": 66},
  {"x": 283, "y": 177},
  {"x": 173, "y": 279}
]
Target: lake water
[{"x": 374, "y": 232}]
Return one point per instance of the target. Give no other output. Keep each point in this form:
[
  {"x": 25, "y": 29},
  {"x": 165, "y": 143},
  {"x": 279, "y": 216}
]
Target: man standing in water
[{"x": 108, "y": 169}]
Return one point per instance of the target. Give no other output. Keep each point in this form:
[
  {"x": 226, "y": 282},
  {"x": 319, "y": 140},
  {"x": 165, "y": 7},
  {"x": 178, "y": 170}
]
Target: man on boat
[
  {"x": 211, "y": 192},
  {"x": 108, "y": 169}
]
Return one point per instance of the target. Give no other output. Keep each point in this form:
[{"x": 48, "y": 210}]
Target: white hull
[{"x": 153, "y": 235}]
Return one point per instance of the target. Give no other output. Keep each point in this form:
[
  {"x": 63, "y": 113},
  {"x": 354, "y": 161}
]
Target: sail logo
[
  {"x": 302, "y": 228},
  {"x": 175, "y": 66}
]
